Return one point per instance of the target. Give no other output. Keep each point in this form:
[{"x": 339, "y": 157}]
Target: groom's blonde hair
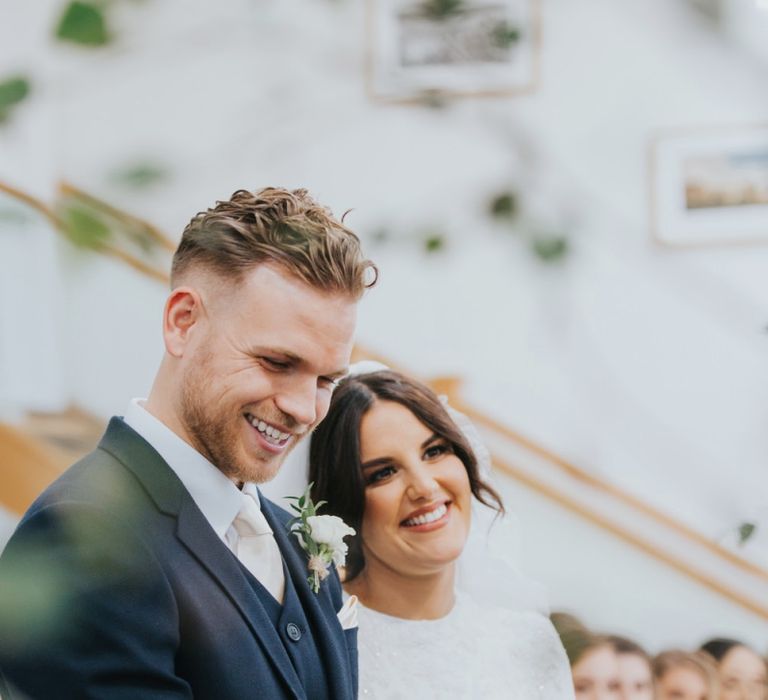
[{"x": 284, "y": 227}]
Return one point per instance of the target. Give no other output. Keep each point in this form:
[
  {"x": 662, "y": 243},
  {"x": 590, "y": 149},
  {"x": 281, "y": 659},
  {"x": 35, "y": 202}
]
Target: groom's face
[{"x": 259, "y": 367}]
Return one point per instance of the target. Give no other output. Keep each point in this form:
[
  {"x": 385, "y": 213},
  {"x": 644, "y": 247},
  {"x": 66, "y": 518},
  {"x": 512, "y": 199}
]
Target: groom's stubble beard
[{"x": 217, "y": 434}]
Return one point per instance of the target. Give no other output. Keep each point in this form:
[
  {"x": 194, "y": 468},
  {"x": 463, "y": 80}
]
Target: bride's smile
[{"x": 428, "y": 518}]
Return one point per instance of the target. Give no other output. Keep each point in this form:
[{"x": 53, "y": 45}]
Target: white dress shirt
[{"x": 215, "y": 494}]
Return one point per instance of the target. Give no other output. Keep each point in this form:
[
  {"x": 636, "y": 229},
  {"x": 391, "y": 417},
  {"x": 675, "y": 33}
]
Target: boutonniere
[{"x": 320, "y": 536}]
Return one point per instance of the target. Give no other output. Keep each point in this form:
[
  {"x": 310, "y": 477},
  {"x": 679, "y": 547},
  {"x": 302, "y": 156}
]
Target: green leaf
[
  {"x": 746, "y": 530},
  {"x": 83, "y": 23},
  {"x": 505, "y": 35},
  {"x": 13, "y": 90},
  {"x": 140, "y": 176},
  {"x": 84, "y": 228},
  {"x": 550, "y": 249},
  {"x": 503, "y": 205},
  {"x": 441, "y": 9},
  {"x": 434, "y": 243},
  {"x": 319, "y": 505}
]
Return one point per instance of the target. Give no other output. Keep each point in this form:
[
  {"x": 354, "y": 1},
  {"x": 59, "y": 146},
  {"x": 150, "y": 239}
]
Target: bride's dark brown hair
[{"x": 334, "y": 455}]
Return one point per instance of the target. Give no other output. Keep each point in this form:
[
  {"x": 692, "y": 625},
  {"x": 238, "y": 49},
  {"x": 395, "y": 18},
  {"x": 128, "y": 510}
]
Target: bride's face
[{"x": 417, "y": 496}]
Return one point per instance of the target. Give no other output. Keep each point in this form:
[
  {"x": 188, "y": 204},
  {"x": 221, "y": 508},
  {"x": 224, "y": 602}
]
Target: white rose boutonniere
[{"x": 320, "y": 536}]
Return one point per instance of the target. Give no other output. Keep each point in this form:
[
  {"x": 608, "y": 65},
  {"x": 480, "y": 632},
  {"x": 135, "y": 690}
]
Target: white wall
[{"x": 644, "y": 365}]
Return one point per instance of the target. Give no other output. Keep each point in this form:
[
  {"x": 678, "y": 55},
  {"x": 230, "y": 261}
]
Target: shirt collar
[{"x": 217, "y": 497}]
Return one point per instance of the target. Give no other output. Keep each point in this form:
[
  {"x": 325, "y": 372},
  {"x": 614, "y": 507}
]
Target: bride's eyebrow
[{"x": 379, "y": 461}]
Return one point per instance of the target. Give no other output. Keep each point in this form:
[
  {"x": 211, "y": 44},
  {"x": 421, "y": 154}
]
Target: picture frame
[
  {"x": 424, "y": 50},
  {"x": 709, "y": 186}
]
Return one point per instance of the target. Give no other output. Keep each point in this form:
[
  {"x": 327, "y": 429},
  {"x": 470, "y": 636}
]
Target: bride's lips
[
  {"x": 271, "y": 437},
  {"x": 428, "y": 518}
]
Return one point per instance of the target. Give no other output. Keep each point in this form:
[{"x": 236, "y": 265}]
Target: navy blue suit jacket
[{"x": 143, "y": 600}]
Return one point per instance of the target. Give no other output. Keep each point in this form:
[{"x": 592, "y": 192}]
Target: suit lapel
[
  {"x": 196, "y": 534},
  {"x": 317, "y": 607}
]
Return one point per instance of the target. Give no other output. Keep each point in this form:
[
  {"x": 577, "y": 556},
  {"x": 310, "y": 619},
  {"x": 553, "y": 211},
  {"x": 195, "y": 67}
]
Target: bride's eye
[
  {"x": 377, "y": 475},
  {"x": 437, "y": 450}
]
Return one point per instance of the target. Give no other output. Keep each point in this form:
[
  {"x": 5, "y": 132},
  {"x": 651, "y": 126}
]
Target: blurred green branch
[{"x": 92, "y": 224}]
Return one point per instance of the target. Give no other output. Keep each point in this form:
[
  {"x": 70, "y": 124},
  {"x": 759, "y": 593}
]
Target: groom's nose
[{"x": 299, "y": 400}]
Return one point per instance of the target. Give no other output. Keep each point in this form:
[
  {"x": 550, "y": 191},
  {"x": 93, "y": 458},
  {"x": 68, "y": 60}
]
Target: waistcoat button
[{"x": 293, "y": 631}]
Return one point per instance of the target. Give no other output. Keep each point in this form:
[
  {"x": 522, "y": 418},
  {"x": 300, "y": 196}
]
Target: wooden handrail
[
  {"x": 611, "y": 489},
  {"x": 28, "y": 468},
  {"x": 628, "y": 536},
  {"x": 68, "y": 189}
]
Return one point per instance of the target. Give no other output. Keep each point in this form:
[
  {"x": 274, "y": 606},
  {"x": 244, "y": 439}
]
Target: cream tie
[{"x": 256, "y": 546}]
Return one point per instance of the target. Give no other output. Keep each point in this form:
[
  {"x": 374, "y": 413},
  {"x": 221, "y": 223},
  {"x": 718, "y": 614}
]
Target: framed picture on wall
[
  {"x": 422, "y": 49},
  {"x": 709, "y": 186}
]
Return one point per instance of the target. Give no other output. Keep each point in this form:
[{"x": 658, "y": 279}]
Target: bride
[{"x": 391, "y": 462}]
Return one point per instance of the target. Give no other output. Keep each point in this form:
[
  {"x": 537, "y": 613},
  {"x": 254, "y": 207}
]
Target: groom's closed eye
[{"x": 274, "y": 364}]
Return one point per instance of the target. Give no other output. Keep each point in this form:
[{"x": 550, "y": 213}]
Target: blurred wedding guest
[
  {"x": 681, "y": 675},
  {"x": 635, "y": 672},
  {"x": 743, "y": 674},
  {"x": 594, "y": 662}
]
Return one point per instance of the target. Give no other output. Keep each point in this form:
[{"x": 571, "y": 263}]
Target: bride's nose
[{"x": 421, "y": 484}]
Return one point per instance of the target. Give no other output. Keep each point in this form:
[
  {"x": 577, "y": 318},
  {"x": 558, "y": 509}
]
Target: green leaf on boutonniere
[{"x": 83, "y": 23}]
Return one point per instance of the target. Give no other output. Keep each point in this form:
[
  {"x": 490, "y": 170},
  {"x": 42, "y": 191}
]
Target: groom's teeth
[
  {"x": 271, "y": 435},
  {"x": 430, "y": 517}
]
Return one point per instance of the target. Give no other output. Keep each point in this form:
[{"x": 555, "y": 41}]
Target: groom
[{"x": 169, "y": 575}]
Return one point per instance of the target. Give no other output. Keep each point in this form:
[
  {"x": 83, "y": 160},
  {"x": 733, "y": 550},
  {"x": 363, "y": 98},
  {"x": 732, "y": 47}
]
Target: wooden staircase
[{"x": 36, "y": 451}]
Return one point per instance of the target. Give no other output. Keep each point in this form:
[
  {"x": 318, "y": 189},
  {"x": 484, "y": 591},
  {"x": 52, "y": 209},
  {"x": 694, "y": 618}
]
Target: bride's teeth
[
  {"x": 262, "y": 426},
  {"x": 430, "y": 517}
]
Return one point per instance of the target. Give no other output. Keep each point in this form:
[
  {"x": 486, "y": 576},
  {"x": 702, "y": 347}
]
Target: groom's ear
[{"x": 183, "y": 312}]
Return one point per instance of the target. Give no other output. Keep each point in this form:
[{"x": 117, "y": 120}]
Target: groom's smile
[{"x": 274, "y": 437}]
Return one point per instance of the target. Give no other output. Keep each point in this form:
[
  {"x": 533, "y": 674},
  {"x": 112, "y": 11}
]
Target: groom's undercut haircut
[{"x": 286, "y": 228}]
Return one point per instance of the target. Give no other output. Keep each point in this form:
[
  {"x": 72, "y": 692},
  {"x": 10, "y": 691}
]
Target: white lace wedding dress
[{"x": 474, "y": 652}]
